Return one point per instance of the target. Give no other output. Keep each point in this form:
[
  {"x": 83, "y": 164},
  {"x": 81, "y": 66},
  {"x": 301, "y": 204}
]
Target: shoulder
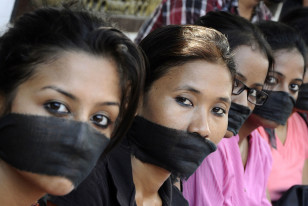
[{"x": 297, "y": 125}]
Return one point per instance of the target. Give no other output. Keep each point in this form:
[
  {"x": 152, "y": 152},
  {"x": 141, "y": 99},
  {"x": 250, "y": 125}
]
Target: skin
[
  {"x": 252, "y": 68},
  {"x": 305, "y": 81},
  {"x": 194, "y": 97},
  {"x": 76, "y": 86},
  {"x": 246, "y": 7},
  {"x": 287, "y": 77}
]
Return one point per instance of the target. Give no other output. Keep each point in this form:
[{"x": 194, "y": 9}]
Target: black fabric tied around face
[
  {"x": 50, "y": 145},
  {"x": 277, "y": 108},
  {"x": 302, "y": 100},
  {"x": 236, "y": 117},
  {"x": 177, "y": 151}
]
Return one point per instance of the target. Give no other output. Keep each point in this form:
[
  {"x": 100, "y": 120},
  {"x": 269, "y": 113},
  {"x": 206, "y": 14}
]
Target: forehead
[
  {"x": 79, "y": 72},
  {"x": 290, "y": 63},
  {"x": 200, "y": 75},
  {"x": 251, "y": 64}
]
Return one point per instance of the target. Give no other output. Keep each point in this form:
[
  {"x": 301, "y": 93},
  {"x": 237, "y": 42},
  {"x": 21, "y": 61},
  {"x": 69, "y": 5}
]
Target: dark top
[{"x": 111, "y": 184}]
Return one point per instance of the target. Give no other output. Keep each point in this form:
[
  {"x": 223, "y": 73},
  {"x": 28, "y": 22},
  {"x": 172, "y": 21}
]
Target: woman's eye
[
  {"x": 183, "y": 101},
  {"x": 294, "y": 87},
  {"x": 219, "y": 111},
  {"x": 271, "y": 80},
  {"x": 100, "y": 120},
  {"x": 253, "y": 92},
  {"x": 56, "y": 108}
]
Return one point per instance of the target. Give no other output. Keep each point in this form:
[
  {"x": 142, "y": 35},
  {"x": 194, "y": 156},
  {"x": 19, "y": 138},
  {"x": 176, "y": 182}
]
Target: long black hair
[
  {"x": 175, "y": 45},
  {"x": 239, "y": 32},
  {"x": 39, "y": 36}
]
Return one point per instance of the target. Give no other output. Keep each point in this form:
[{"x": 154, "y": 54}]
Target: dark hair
[
  {"x": 176, "y": 45},
  {"x": 298, "y": 19},
  {"x": 239, "y": 32},
  {"x": 40, "y": 36},
  {"x": 281, "y": 36}
]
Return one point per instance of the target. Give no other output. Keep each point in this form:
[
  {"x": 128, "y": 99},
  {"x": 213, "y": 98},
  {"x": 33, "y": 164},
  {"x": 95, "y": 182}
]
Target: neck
[
  {"x": 148, "y": 178},
  {"x": 246, "y": 8},
  {"x": 246, "y": 130},
  {"x": 14, "y": 189},
  {"x": 281, "y": 132}
]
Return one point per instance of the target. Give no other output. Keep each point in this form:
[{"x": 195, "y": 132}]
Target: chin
[
  {"x": 59, "y": 186},
  {"x": 53, "y": 185},
  {"x": 229, "y": 134}
]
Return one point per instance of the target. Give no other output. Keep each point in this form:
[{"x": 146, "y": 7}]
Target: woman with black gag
[
  {"x": 286, "y": 131},
  {"x": 68, "y": 85},
  {"x": 237, "y": 173},
  {"x": 182, "y": 117}
]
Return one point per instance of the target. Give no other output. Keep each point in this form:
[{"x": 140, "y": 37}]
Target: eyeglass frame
[{"x": 248, "y": 89}]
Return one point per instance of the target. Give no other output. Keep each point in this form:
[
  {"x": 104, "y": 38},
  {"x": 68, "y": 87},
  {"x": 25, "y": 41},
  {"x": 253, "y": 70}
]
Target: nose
[
  {"x": 199, "y": 124},
  {"x": 241, "y": 98},
  {"x": 285, "y": 88},
  {"x": 81, "y": 116}
]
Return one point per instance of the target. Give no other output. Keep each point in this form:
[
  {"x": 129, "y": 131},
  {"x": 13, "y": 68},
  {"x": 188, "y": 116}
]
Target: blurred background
[{"x": 127, "y": 15}]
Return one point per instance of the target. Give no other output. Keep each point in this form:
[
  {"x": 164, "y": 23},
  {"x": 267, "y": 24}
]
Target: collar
[{"x": 119, "y": 165}]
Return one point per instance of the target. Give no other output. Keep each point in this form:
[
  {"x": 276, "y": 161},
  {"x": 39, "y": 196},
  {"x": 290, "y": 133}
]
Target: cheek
[
  {"x": 48, "y": 184},
  {"x": 166, "y": 112},
  {"x": 218, "y": 129},
  {"x": 295, "y": 96}
]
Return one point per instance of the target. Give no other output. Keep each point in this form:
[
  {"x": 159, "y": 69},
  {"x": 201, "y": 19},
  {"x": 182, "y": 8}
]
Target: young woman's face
[
  {"x": 252, "y": 67},
  {"x": 76, "y": 86},
  {"x": 287, "y": 76},
  {"x": 194, "y": 97}
]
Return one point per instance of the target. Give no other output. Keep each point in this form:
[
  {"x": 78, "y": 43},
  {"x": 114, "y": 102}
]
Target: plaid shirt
[{"x": 188, "y": 11}]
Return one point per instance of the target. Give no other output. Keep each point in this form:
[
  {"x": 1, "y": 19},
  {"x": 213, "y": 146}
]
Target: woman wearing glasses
[
  {"x": 237, "y": 173},
  {"x": 288, "y": 140}
]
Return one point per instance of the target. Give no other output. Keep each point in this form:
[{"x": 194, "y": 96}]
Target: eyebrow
[
  {"x": 241, "y": 75},
  {"x": 188, "y": 88},
  {"x": 300, "y": 80},
  {"x": 280, "y": 74},
  {"x": 71, "y": 96},
  {"x": 258, "y": 85},
  {"x": 191, "y": 89},
  {"x": 225, "y": 99}
]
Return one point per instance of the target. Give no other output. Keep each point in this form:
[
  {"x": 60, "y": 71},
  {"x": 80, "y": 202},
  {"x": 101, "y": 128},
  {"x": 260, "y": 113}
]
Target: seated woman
[
  {"x": 183, "y": 115},
  {"x": 287, "y": 132},
  {"x": 68, "y": 85},
  {"x": 237, "y": 173}
]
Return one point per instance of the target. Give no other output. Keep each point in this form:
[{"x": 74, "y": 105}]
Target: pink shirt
[
  {"x": 288, "y": 158},
  {"x": 221, "y": 179}
]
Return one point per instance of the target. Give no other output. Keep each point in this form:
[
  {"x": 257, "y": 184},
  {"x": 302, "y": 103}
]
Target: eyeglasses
[{"x": 253, "y": 96}]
